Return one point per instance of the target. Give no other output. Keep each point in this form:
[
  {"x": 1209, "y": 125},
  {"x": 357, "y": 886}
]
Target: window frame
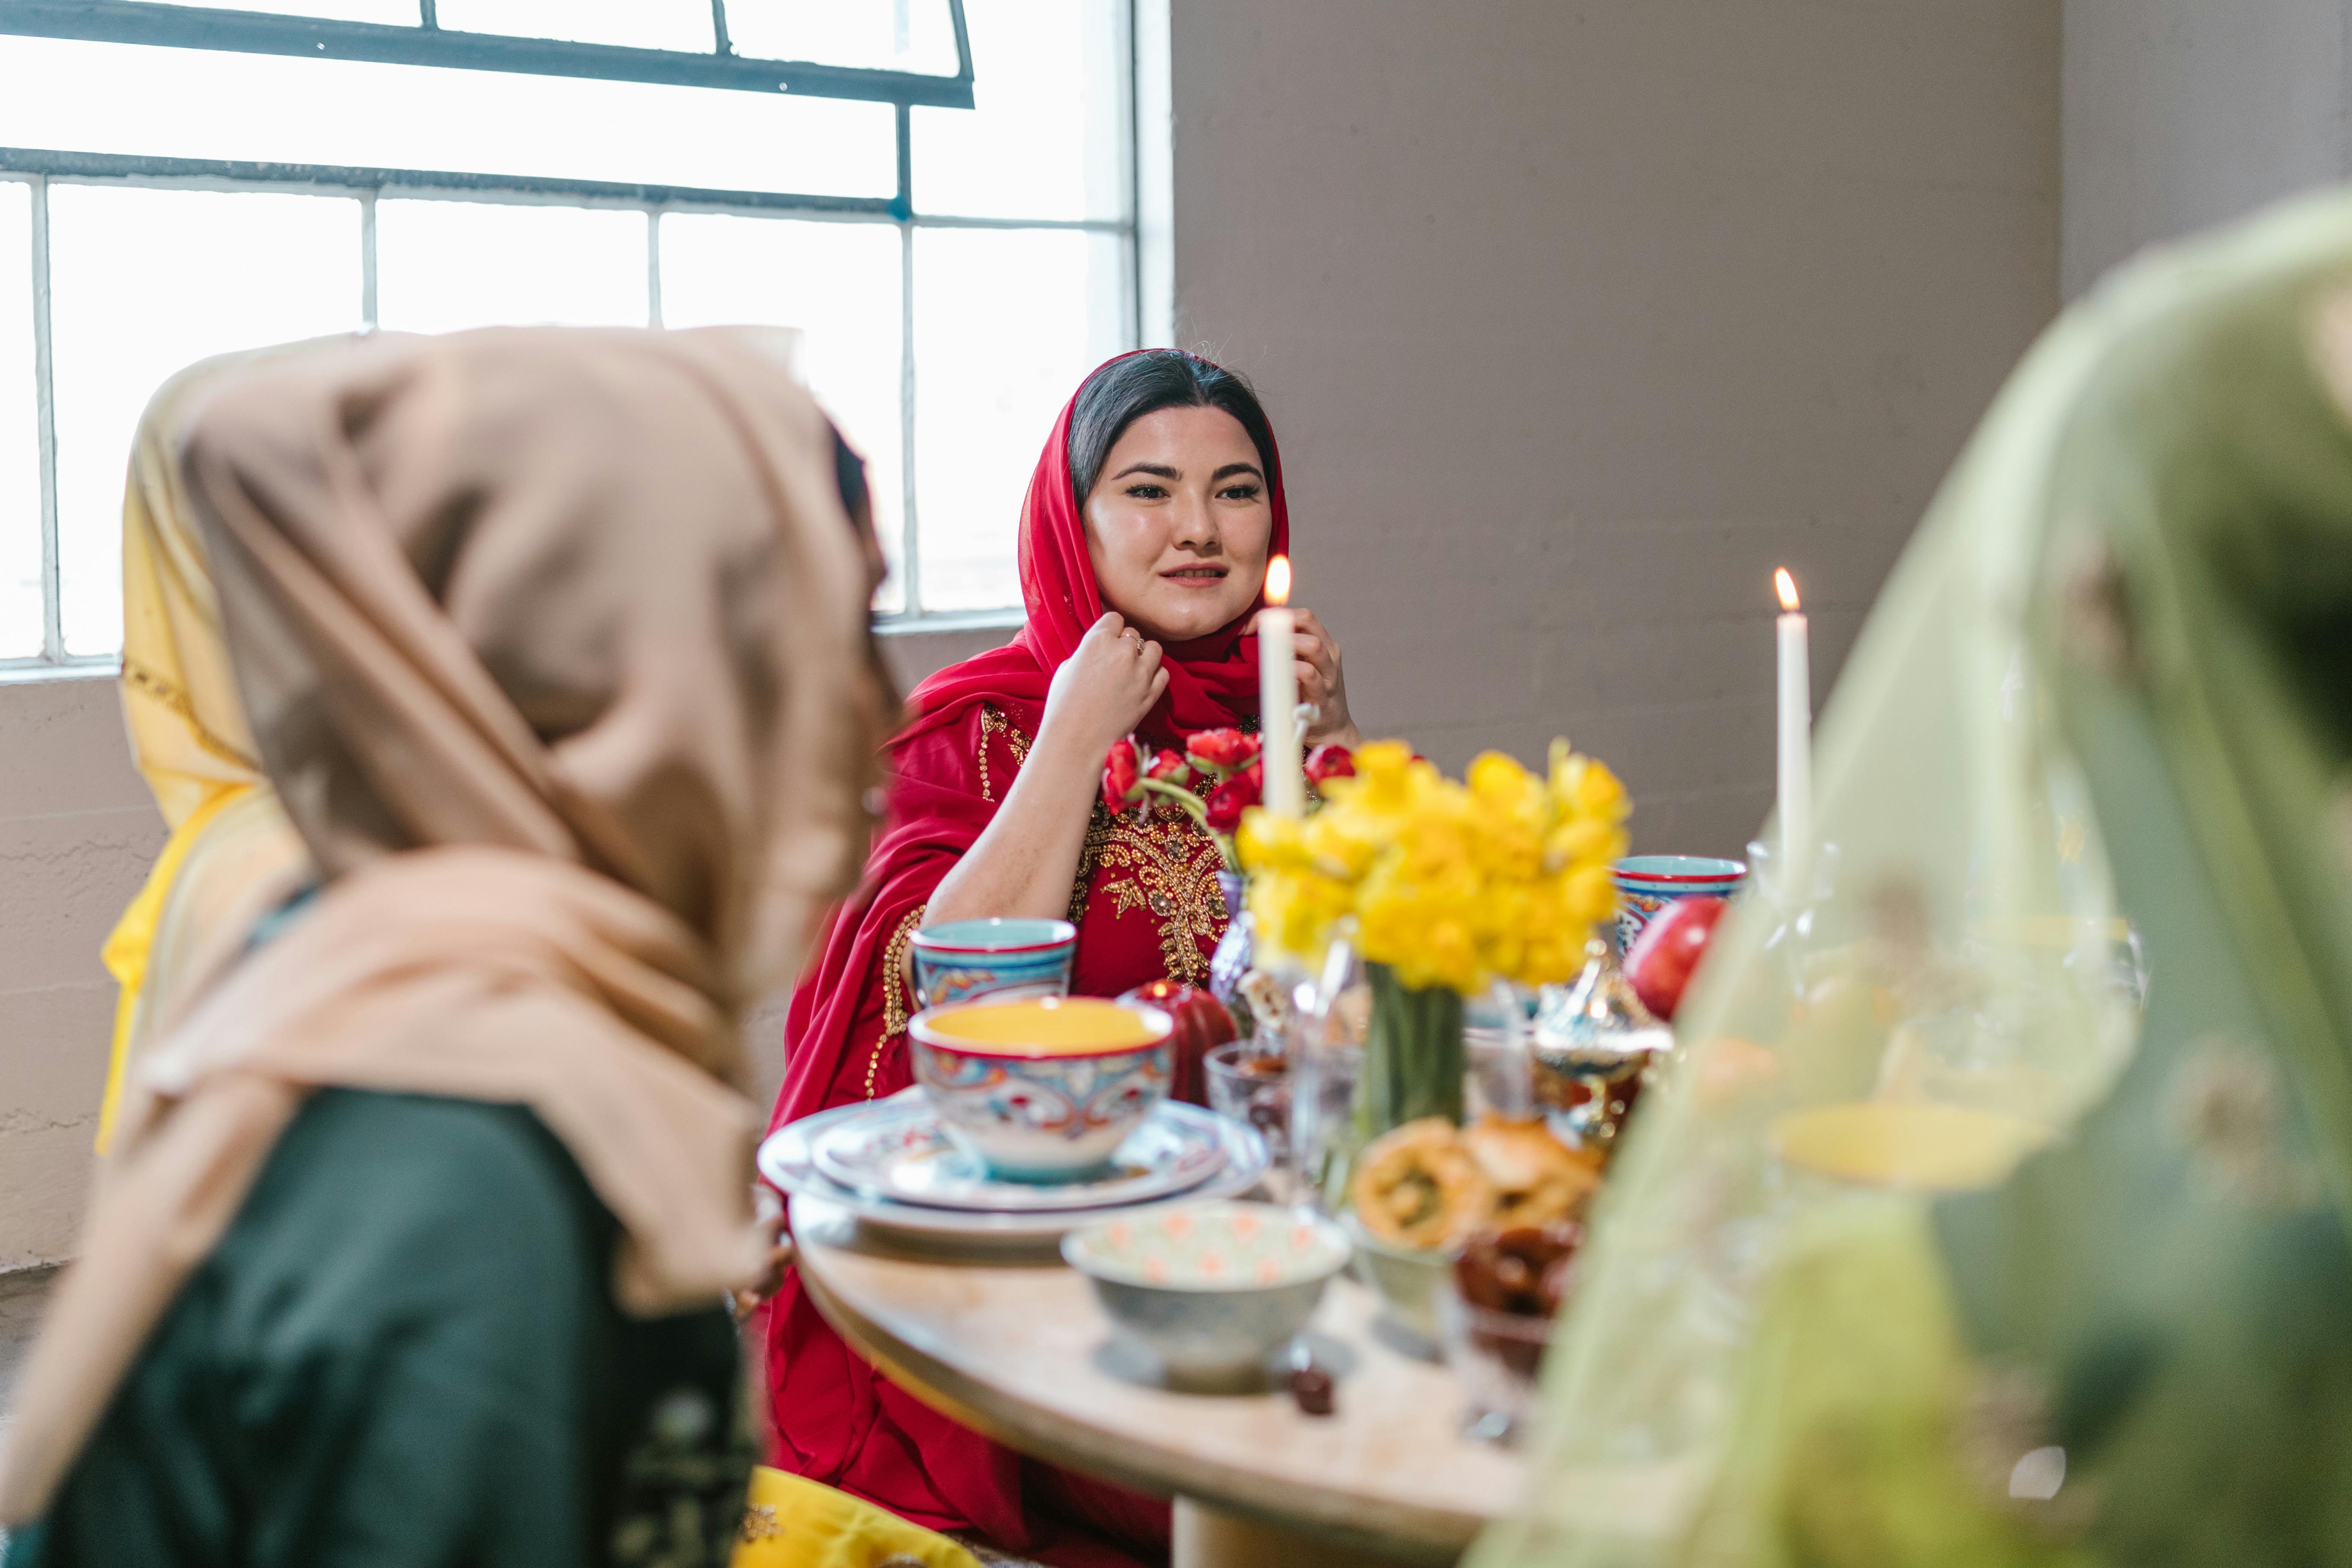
[
  {"x": 141, "y": 22},
  {"x": 429, "y": 43}
]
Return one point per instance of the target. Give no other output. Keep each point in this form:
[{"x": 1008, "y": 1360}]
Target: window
[{"x": 936, "y": 197}]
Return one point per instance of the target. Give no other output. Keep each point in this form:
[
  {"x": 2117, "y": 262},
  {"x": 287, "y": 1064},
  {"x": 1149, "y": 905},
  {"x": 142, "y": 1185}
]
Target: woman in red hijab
[{"x": 1144, "y": 541}]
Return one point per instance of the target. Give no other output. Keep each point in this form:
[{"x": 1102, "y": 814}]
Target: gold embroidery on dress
[
  {"x": 759, "y": 1523},
  {"x": 894, "y": 980},
  {"x": 1169, "y": 868},
  {"x": 992, "y": 722}
]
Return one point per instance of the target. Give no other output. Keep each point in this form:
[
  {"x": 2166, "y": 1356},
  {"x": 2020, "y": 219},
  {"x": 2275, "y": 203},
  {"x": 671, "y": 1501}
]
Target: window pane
[
  {"x": 392, "y": 13},
  {"x": 442, "y": 267},
  {"x": 838, "y": 283},
  {"x": 1007, "y": 323},
  {"x": 141, "y": 283},
  {"x": 195, "y": 103},
  {"x": 20, "y": 462},
  {"x": 1043, "y": 137},
  {"x": 640, "y": 24},
  {"x": 880, "y": 35}
]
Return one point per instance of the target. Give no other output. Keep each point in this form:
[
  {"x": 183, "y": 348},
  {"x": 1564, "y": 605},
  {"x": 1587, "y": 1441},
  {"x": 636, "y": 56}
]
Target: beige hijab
[
  {"x": 554, "y": 646},
  {"x": 232, "y": 853}
]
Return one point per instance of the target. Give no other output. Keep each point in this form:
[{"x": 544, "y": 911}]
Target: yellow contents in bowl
[{"x": 1048, "y": 1026}]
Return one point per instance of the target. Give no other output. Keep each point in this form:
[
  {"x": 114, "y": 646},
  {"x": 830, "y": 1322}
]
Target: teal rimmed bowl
[
  {"x": 960, "y": 960},
  {"x": 1648, "y": 883}
]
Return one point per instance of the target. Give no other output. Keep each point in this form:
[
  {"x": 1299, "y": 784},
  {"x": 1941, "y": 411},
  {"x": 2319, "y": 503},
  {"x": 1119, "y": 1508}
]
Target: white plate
[
  {"x": 898, "y": 1149},
  {"x": 787, "y": 1160}
]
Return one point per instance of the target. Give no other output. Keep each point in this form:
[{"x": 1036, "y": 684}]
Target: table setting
[{"x": 1290, "y": 1246}]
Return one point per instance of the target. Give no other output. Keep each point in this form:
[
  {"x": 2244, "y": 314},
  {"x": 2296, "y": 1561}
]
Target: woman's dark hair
[
  {"x": 1125, "y": 390},
  {"x": 849, "y": 475}
]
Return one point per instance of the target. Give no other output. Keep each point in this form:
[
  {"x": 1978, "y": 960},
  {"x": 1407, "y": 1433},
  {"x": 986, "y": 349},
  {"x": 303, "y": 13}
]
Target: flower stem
[
  {"x": 1192, "y": 803},
  {"x": 1413, "y": 1062}
]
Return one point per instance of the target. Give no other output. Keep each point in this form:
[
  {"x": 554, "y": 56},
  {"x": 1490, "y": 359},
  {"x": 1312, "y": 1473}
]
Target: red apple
[{"x": 1668, "y": 949}]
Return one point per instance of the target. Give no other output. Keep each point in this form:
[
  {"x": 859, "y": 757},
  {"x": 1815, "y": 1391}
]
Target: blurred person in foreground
[
  {"x": 2002, "y": 1216},
  {"x": 413, "y": 1238},
  {"x": 232, "y": 855}
]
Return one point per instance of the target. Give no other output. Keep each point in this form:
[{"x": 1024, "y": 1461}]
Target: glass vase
[
  {"x": 1327, "y": 1065},
  {"x": 1788, "y": 897},
  {"x": 1236, "y": 950},
  {"x": 1414, "y": 1061}
]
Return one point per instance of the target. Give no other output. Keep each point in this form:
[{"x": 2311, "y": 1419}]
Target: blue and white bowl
[
  {"x": 1648, "y": 883},
  {"x": 961, "y": 960},
  {"x": 1040, "y": 1110}
]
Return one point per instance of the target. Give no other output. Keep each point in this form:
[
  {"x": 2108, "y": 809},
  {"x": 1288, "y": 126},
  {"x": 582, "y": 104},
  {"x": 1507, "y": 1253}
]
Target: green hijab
[{"x": 1998, "y": 1215}]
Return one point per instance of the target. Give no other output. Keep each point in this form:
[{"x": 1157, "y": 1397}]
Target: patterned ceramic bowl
[
  {"x": 964, "y": 959},
  {"x": 1407, "y": 1278},
  {"x": 1211, "y": 1288},
  {"x": 1648, "y": 883},
  {"x": 1042, "y": 1089}
]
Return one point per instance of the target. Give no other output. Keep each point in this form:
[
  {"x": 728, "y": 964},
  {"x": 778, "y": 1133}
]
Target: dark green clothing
[{"x": 405, "y": 1352}]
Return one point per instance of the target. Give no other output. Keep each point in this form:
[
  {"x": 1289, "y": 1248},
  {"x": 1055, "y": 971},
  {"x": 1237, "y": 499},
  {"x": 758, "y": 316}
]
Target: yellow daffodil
[{"x": 1504, "y": 874}]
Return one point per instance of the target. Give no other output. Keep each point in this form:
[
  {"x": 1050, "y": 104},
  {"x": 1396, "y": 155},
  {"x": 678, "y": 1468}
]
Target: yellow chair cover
[{"x": 791, "y": 1522}]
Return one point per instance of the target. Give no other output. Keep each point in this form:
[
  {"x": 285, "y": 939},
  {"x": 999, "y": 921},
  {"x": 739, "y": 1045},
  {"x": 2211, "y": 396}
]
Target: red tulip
[
  {"x": 1121, "y": 773},
  {"x": 1326, "y": 763},
  {"x": 1669, "y": 949},
  {"x": 1221, "y": 751},
  {"x": 1170, "y": 767},
  {"x": 1235, "y": 795}
]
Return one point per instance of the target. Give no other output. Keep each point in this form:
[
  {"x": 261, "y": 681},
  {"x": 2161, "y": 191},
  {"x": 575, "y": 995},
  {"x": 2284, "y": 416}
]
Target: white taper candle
[
  {"x": 1796, "y": 726},
  {"x": 1277, "y": 695}
]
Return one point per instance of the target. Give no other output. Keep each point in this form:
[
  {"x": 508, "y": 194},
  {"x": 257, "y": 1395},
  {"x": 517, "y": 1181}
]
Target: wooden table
[{"x": 1015, "y": 1346}]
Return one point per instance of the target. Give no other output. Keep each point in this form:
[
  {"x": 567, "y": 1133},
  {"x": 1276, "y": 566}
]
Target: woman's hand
[
  {"x": 1322, "y": 682},
  {"x": 749, "y": 1299},
  {"x": 1027, "y": 856},
  {"x": 1102, "y": 692}
]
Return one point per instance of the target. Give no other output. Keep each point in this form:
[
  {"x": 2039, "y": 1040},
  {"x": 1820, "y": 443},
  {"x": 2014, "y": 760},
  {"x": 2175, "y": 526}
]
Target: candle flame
[
  {"x": 1278, "y": 580},
  {"x": 1787, "y": 587}
]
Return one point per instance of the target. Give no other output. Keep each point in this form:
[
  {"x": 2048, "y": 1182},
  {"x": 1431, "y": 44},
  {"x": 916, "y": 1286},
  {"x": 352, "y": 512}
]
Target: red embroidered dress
[{"x": 1145, "y": 904}]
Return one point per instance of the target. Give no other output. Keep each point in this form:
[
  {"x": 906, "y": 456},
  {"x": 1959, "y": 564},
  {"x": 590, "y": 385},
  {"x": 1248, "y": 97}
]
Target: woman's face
[{"x": 1179, "y": 524}]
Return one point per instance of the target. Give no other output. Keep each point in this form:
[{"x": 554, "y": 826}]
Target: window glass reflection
[
  {"x": 442, "y": 267},
  {"x": 877, "y": 35},
  {"x": 1007, "y": 323},
  {"x": 20, "y": 460},
  {"x": 1042, "y": 139},
  {"x": 837, "y": 284},
  {"x": 390, "y": 13},
  {"x": 142, "y": 283},
  {"x": 638, "y": 23},
  {"x": 199, "y": 103}
]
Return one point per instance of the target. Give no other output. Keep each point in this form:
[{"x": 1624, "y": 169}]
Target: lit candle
[
  {"x": 1277, "y": 695},
  {"x": 1796, "y": 714}
]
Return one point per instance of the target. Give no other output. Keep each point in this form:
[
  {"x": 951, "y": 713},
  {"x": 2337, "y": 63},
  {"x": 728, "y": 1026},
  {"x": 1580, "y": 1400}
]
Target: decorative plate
[
  {"x": 787, "y": 1159},
  {"x": 899, "y": 1150}
]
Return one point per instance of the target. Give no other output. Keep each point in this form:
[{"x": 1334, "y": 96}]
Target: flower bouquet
[
  {"x": 1227, "y": 759},
  {"x": 1450, "y": 886},
  {"x": 1228, "y": 762}
]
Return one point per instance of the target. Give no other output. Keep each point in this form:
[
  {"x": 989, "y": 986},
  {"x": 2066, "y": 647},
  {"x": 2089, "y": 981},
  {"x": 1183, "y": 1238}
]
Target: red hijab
[
  {"x": 1212, "y": 680},
  {"x": 835, "y": 1420}
]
